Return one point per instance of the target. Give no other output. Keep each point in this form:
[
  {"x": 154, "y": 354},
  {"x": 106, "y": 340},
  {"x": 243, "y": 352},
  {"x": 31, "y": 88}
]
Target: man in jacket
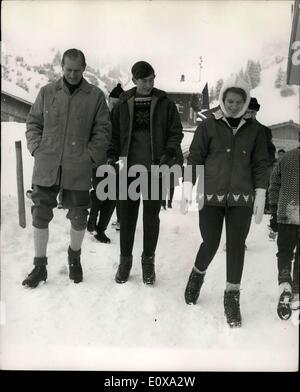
[
  {"x": 68, "y": 132},
  {"x": 146, "y": 131}
]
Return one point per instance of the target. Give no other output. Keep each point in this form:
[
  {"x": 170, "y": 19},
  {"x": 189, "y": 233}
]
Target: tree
[
  {"x": 253, "y": 73},
  {"x": 57, "y": 59},
  {"x": 219, "y": 85},
  {"x": 211, "y": 95},
  {"x": 241, "y": 74},
  {"x": 280, "y": 80}
]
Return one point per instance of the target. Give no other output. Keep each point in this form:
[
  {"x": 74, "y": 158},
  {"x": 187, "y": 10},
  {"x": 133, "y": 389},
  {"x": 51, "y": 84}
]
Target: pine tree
[
  {"x": 57, "y": 59},
  {"x": 241, "y": 74},
  {"x": 280, "y": 78},
  {"x": 253, "y": 69},
  {"x": 211, "y": 95},
  {"x": 219, "y": 85}
]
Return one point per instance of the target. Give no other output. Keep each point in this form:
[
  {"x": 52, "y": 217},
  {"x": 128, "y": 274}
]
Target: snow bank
[{"x": 100, "y": 325}]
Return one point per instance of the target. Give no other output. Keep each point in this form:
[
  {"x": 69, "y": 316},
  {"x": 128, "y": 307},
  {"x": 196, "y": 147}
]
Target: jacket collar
[
  {"x": 84, "y": 86},
  {"x": 131, "y": 93},
  {"x": 220, "y": 115}
]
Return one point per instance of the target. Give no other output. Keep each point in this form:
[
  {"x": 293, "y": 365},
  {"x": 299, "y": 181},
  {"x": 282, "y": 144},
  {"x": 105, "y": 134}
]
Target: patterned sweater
[{"x": 284, "y": 188}]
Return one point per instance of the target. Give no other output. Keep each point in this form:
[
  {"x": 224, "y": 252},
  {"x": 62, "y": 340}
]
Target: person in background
[
  {"x": 101, "y": 210},
  {"x": 169, "y": 192},
  {"x": 234, "y": 153},
  {"x": 252, "y": 110},
  {"x": 284, "y": 205},
  {"x": 66, "y": 141},
  {"x": 112, "y": 101},
  {"x": 280, "y": 154},
  {"x": 146, "y": 131}
]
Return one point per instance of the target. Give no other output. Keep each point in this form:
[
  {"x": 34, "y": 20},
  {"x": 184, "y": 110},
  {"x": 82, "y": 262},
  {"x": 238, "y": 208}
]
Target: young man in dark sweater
[{"x": 146, "y": 131}]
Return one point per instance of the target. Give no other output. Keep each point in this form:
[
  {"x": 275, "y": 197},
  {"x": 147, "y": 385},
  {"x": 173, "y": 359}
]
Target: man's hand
[{"x": 168, "y": 158}]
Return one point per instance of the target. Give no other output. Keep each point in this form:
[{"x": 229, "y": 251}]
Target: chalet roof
[
  {"x": 16, "y": 92},
  {"x": 290, "y": 124},
  {"x": 175, "y": 86}
]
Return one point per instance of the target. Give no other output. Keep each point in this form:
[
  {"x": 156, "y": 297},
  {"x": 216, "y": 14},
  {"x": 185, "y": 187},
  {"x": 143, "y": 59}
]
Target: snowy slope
[
  {"x": 275, "y": 108},
  {"x": 100, "y": 325}
]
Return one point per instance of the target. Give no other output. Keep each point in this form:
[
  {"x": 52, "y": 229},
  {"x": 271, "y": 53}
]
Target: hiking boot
[
  {"x": 232, "y": 308},
  {"x": 193, "y": 287},
  {"x": 284, "y": 310},
  {"x": 148, "y": 269},
  {"x": 102, "y": 237},
  {"x": 124, "y": 268},
  {"x": 38, "y": 274},
  {"x": 75, "y": 269}
]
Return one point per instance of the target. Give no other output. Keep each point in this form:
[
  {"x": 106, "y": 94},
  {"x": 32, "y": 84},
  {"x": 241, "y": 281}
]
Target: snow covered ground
[{"x": 100, "y": 325}]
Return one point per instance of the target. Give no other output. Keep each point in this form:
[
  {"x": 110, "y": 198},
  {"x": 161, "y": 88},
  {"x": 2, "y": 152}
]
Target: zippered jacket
[
  {"x": 235, "y": 163},
  {"x": 165, "y": 126}
]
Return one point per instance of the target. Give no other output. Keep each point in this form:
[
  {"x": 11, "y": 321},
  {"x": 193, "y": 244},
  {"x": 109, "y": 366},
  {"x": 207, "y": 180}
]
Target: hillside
[
  {"x": 29, "y": 76},
  {"x": 276, "y": 108}
]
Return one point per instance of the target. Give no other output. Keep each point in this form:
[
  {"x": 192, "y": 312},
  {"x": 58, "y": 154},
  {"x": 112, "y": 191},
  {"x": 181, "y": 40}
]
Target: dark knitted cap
[
  {"x": 142, "y": 69},
  {"x": 117, "y": 91},
  {"x": 254, "y": 105}
]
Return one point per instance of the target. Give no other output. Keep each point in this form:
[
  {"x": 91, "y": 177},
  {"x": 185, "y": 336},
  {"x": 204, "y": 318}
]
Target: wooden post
[{"x": 20, "y": 184}]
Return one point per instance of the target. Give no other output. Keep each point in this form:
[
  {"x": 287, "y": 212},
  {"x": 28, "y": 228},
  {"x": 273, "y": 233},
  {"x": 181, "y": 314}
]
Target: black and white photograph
[{"x": 150, "y": 186}]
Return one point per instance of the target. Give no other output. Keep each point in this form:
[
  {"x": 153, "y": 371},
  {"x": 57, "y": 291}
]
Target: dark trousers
[
  {"x": 45, "y": 199},
  {"x": 287, "y": 241},
  {"x": 101, "y": 212},
  {"x": 128, "y": 210},
  {"x": 237, "y": 220}
]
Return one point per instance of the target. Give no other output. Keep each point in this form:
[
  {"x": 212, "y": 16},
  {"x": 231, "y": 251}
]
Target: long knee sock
[
  {"x": 232, "y": 286},
  {"x": 76, "y": 238},
  {"x": 40, "y": 239}
]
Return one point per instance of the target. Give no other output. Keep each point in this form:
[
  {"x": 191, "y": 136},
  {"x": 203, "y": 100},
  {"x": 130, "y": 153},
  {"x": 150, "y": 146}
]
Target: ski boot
[
  {"x": 284, "y": 310},
  {"x": 38, "y": 274},
  {"x": 232, "y": 308},
  {"x": 75, "y": 268},
  {"x": 193, "y": 287},
  {"x": 102, "y": 237},
  {"x": 124, "y": 268},
  {"x": 148, "y": 269}
]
